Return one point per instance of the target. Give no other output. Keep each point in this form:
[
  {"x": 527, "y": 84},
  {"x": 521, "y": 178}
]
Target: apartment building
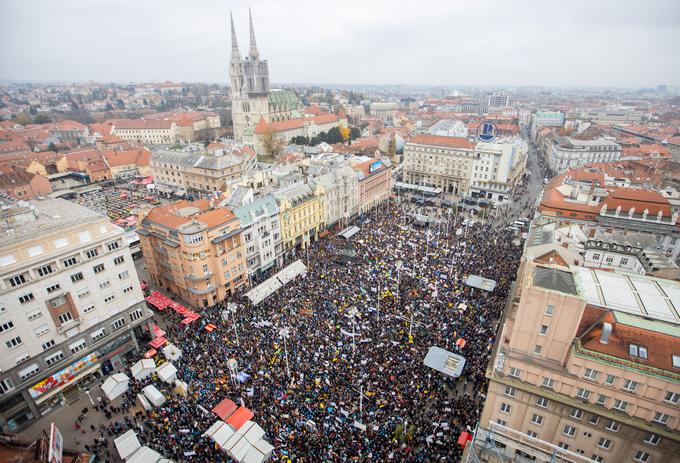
[
  {"x": 545, "y": 119},
  {"x": 70, "y": 305},
  {"x": 151, "y": 132},
  {"x": 375, "y": 181},
  {"x": 261, "y": 233},
  {"x": 341, "y": 199},
  {"x": 384, "y": 109},
  {"x": 586, "y": 368},
  {"x": 301, "y": 214},
  {"x": 498, "y": 169},
  {"x": 194, "y": 250},
  {"x": 498, "y": 100},
  {"x": 567, "y": 152},
  {"x": 203, "y": 171},
  {"x": 440, "y": 162}
]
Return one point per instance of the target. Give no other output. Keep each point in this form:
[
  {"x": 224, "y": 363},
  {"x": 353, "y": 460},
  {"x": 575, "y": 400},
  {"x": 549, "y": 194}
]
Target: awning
[
  {"x": 150, "y": 353},
  {"x": 476, "y": 281},
  {"x": 158, "y": 300},
  {"x": 225, "y": 409},
  {"x": 239, "y": 417},
  {"x": 158, "y": 342},
  {"x": 349, "y": 232}
]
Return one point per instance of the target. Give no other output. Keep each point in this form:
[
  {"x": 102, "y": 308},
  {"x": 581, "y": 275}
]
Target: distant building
[
  {"x": 128, "y": 164},
  {"x": 497, "y": 169},
  {"x": 449, "y": 128},
  {"x": 20, "y": 184},
  {"x": 308, "y": 127},
  {"x": 498, "y": 100},
  {"x": 194, "y": 250},
  {"x": 148, "y": 132},
  {"x": 569, "y": 152},
  {"x": 545, "y": 119},
  {"x": 70, "y": 303},
  {"x": 384, "y": 109}
]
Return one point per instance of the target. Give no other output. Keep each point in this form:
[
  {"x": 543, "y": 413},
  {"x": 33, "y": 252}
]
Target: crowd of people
[{"x": 335, "y": 358}]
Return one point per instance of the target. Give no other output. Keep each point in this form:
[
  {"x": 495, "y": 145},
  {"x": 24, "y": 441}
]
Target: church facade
[{"x": 252, "y": 98}]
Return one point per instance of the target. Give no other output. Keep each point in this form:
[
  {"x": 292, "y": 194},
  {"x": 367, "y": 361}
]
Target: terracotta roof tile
[{"x": 436, "y": 140}]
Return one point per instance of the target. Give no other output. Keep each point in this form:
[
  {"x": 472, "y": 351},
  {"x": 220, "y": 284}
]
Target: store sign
[
  {"x": 374, "y": 166},
  {"x": 64, "y": 376},
  {"x": 56, "y": 445}
]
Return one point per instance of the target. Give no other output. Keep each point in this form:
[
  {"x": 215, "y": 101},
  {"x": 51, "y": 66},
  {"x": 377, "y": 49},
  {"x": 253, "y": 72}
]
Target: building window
[
  {"x": 109, "y": 298},
  {"x": 34, "y": 315},
  {"x": 613, "y": 426},
  {"x": 88, "y": 309},
  {"x": 77, "y": 346},
  {"x": 594, "y": 419},
  {"x": 601, "y": 399},
  {"x": 26, "y": 298},
  {"x": 77, "y": 277},
  {"x": 591, "y": 374},
  {"x": 53, "y": 288},
  {"x": 596, "y": 256},
  {"x": 29, "y": 371},
  {"x": 44, "y": 270},
  {"x": 119, "y": 260},
  {"x": 136, "y": 315},
  {"x": 543, "y": 330},
  {"x": 672, "y": 397},
  {"x": 597, "y": 458},
  {"x": 533, "y": 434},
  {"x": 17, "y": 280},
  {"x": 113, "y": 246},
  {"x": 40, "y": 330},
  {"x": 653, "y": 439},
  {"x": 22, "y": 358},
  {"x": 118, "y": 324},
  {"x": 84, "y": 293},
  {"x": 46, "y": 345},
  {"x": 582, "y": 393},
  {"x": 98, "y": 268},
  {"x": 609, "y": 380},
  {"x": 6, "y": 385},
  {"x": 604, "y": 443},
  {"x": 629, "y": 385},
  {"x": 637, "y": 351},
  {"x": 563, "y": 446},
  {"x": 14, "y": 342},
  {"x": 621, "y": 405},
  {"x": 92, "y": 253},
  {"x": 642, "y": 457},
  {"x": 123, "y": 275},
  {"x": 549, "y": 309},
  {"x": 6, "y": 326},
  {"x": 510, "y": 391},
  {"x": 537, "y": 419},
  {"x": 537, "y": 349},
  {"x": 543, "y": 402},
  {"x": 661, "y": 418},
  {"x": 505, "y": 408},
  {"x": 100, "y": 333},
  {"x": 65, "y": 317},
  {"x": 576, "y": 413},
  {"x": 676, "y": 361},
  {"x": 502, "y": 422},
  {"x": 54, "y": 358},
  {"x": 515, "y": 372},
  {"x": 69, "y": 262},
  {"x": 569, "y": 431},
  {"x": 128, "y": 289},
  {"x": 624, "y": 261},
  {"x": 104, "y": 284},
  {"x": 549, "y": 383}
]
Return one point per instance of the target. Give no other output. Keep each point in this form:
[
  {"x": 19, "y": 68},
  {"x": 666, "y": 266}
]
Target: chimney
[{"x": 606, "y": 331}]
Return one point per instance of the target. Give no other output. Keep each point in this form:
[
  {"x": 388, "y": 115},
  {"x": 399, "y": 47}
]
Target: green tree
[
  {"x": 354, "y": 133},
  {"x": 23, "y": 119},
  {"x": 42, "y": 119},
  {"x": 52, "y": 147}
]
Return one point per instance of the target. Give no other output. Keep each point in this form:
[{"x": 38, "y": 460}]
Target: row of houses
[{"x": 206, "y": 249}]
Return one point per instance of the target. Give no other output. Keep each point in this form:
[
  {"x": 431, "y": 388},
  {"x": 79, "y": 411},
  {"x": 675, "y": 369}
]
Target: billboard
[
  {"x": 56, "y": 445},
  {"x": 63, "y": 376},
  {"x": 374, "y": 166}
]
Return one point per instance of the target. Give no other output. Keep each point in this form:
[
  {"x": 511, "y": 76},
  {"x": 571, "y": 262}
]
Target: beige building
[
  {"x": 191, "y": 125},
  {"x": 586, "y": 368},
  {"x": 70, "y": 303},
  {"x": 201, "y": 172},
  {"x": 375, "y": 181},
  {"x": 384, "y": 109},
  {"x": 301, "y": 214},
  {"x": 149, "y": 132},
  {"x": 194, "y": 250}
]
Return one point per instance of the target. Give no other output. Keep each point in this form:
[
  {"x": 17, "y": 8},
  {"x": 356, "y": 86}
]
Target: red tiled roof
[
  {"x": 437, "y": 140},
  {"x": 139, "y": 157},
  {"x": 126, "y": 124}
]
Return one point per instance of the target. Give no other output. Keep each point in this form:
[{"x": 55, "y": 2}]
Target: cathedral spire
[
  {"x": 253, "y": 44},
  {"x": 235, "y": 54}
]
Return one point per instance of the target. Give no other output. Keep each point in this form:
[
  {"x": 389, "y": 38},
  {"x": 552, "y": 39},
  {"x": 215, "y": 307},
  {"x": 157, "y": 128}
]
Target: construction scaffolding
[{"x": 498, "y": 443}]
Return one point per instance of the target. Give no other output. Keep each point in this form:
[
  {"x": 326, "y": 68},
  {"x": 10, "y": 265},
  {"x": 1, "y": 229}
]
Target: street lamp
[{"x": 284, "y": 333}]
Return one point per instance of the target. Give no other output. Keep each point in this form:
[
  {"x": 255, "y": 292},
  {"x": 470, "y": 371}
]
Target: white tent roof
[
  {"x": 167, "y": 372},
  {"x": 115, "y": 385},
  {"x": 154, "y": 395},
  {"x": 144, "y": 455},
  {"x": 127, "y": 444},
  {"x": 172, "y": 352},
  {"x": 220, "y": 432},
  {"x": 143, "y": 368},
  {"x": 273, "y": 283}
]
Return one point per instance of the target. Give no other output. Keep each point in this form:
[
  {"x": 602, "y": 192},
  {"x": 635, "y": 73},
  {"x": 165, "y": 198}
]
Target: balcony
[
  {"x": 203, "y": 276},
  {"x": 201, "y": 292}
]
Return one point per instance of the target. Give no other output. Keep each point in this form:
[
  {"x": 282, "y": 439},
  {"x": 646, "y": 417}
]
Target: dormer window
[{"x": 637, "y": 351}]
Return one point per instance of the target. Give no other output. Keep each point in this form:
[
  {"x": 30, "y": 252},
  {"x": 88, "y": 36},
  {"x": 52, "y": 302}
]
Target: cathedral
[{"x": 251, "y": 97}]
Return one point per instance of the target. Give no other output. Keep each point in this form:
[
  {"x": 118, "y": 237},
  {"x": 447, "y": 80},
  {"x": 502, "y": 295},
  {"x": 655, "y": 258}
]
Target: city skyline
[{"x": 336, "y": 44}]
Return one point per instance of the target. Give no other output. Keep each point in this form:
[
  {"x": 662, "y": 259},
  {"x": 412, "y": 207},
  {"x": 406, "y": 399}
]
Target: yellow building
[
  {"x": 126, "y": 164},
  {"x": 194, "y": 250},
  {"x": 302, "y": 215}
]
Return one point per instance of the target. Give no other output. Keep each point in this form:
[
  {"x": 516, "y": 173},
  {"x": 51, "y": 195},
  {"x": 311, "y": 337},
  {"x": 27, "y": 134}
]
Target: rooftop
[{"x": 555, "y": 279}]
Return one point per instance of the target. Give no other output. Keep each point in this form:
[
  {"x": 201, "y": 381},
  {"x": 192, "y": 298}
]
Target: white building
[
  {"x": 341, "y": 199},
  {"x": 69, "y": 301},
  {"x": 568, "y": 152},
  {"x": 498, "y": 168},
  {"x": 545, "y": 119},
  {"x": 261, "y": 229},
  {"x": 498, "y": 100},
  {"x": 384, "y": 109}
]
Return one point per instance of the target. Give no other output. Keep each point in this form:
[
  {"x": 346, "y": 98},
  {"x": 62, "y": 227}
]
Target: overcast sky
[{"x": 446, "y": 42}]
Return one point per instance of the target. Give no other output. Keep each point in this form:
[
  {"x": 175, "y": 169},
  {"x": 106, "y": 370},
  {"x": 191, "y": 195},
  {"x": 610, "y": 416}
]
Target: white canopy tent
[
  {"x": 349, "y": 232},
  {"x": 144, "y": 455},
  {"x": 115, "y": 385},
  {"x": 154, "y": 395},
  {"x": 181, "y": 387},
  {"x": 144, "y": 402},
  {"x": 167, "y": 372},
  {"x": 220, "y": 432},
  {"x": 143, "y": 369},
  {"x": 273, "y": 283},
  {"x": 127, "y": 444},
  {"x": 172, "y": 352}
]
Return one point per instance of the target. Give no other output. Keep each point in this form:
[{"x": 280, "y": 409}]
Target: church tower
[{"x": 249, "y": 86}]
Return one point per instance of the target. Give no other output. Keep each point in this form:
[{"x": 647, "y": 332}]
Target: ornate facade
[{"x": 251, "y": 97}]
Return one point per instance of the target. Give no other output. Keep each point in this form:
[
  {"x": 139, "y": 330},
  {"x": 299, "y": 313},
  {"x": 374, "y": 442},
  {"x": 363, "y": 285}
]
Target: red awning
[
  {"x": 158, "y": 342},
  {"x": 239, "y": 417},
  {"x": 157, "y": 332},
  {"x": 158, "y": 300},
  {"x": 225, "y": 409},
  {"x": 210, "y": 327},
  {"x": 150, "y": 353},
  {"x": 463, "y": 438},
  {"x": 188, "y": 320}
]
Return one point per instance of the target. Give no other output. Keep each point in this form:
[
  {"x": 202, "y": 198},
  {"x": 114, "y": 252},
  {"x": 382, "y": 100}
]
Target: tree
[
  {"x": 120, "y": 104},
  {"x": 273, "y": 144},
  {"x": 344, "y": 132},
  {"x": 109, "y": 107},
  {"x": 300, "y": 140},
  {"x": 52, "y": 147},
  {"x": 22, "y": 119},
  {"x": 392, "y": 146},
  {"x": 42, "y": 119},
  {"x": 354, "y": 133}
]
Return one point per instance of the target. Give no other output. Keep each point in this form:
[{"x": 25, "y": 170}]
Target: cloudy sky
[{"x": 443, "y": 42}]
